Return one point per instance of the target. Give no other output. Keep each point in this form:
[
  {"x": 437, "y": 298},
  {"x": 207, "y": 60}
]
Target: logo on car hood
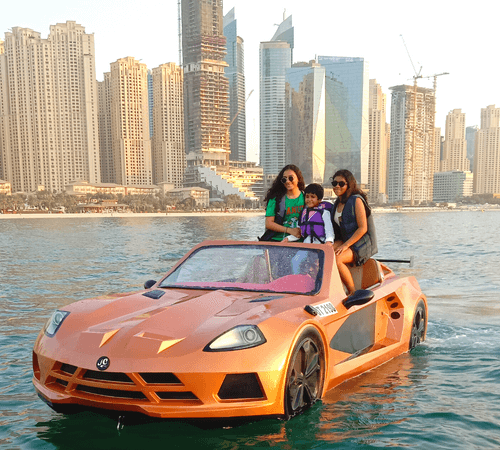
[{"x": 103, "y": 363}]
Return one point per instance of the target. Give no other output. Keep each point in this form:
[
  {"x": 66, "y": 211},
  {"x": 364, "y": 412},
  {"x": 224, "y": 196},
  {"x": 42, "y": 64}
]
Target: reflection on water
[{"x": 443, "y": 395}]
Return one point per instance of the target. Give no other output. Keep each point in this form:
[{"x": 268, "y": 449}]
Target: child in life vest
[{"x": 315, "y": 221}]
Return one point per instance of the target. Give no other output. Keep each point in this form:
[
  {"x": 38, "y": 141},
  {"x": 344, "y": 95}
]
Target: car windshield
[{"x": 251, "y": 268}]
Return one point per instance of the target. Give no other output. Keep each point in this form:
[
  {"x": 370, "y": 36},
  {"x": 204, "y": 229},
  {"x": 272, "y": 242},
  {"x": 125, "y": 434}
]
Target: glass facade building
[
  {"x": 470, "y": 137},
  {"x": 305, "y": 89},
  {"x": 274, "y": 62},
  {"x": 347, "y": 102},
  {"x": 275, "y": 58},
  {"x": 235, "y": 74}
]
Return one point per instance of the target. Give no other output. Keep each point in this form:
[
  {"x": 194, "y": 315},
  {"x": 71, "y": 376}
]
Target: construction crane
[
  {"x": 433, "y": 143},
  {"x": 416, "y": 76}
]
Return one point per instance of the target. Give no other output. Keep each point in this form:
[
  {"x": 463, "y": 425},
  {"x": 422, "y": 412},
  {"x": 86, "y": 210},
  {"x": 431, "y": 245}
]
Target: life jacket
[
  {"x": 311, "y": 224},
  {"x": 367, "y": 245}
]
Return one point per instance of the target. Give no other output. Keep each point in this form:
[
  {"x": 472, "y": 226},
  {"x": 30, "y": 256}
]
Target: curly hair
[
  {"x": 278, "y": 189},
  {"x": 352, "y": 185}
]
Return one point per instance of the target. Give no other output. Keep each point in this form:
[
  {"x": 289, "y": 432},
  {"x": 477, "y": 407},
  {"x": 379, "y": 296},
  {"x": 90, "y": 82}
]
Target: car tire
[
  {"x": 305, "y": 374},
  {"x": 419, "y": 325}
]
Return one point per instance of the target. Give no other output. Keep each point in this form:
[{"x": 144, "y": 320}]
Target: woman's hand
[
  {"x": 342, "y": 248},
  {"x": 295, "y": 232}
]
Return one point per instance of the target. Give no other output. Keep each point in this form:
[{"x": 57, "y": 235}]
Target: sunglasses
[
  {"x": 285, "y": 179},
  {"x": 339, "y": 183}
]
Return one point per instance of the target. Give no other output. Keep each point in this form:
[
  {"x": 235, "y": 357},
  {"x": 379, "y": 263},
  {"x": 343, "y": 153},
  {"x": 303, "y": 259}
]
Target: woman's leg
[{"x": 346, "y": 257}]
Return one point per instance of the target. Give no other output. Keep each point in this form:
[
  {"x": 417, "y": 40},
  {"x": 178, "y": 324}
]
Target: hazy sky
[{"x": 440, "y": 36}]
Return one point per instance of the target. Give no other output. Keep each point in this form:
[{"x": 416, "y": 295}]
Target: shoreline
[
  {"x": 129, "y": 215},
  {"x": 254, "y": 213}
]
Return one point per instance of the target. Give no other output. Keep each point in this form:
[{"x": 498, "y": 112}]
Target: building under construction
[
  {"x": 411, "y": 156},
  {"x": 206, "y": 88}
]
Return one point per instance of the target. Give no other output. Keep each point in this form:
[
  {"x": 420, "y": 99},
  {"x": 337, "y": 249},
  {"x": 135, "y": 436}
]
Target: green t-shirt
[{"x": 293, "y": 208}]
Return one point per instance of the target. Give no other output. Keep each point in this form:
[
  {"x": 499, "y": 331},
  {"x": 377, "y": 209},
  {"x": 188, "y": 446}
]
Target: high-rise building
[
  {"x": 48, "y": 108},
  {"x": 377, "y": 163},
  {"x": 105, "y": 130},
  {"x": 236, "y": 75},
  {"x": 487, "y": 155},
  {"x": 411, "y": 156},
  {"x": 285, "y": 33},
  {"x": 206, "y": 88},
  {"x": 151, "y": 103},
  {"x": 275, "y": 58},
  {"x": 455, "y": 144},
  {"x": 470, "y": 137},
  {"x": 347, "y": 98},
  {"x": 169, "y": 157},
  {"x": 274, "y": 62},
  {"x": 305, "y": 124},
  {"x": 452, "y": 186},
  {"x": 130, "y": 151},
  {"x": 438, "y": 149}
]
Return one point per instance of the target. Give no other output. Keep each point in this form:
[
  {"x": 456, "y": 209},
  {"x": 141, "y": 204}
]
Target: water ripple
[{"x": 444, "y": 395}]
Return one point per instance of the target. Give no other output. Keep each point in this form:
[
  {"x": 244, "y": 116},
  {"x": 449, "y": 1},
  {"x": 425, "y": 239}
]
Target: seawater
[{"x": 444, "y": 395}]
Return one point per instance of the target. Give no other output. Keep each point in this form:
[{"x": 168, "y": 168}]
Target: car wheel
[
  {"x": 419, "y": 325},
  {"x": 306, "y": 373}
]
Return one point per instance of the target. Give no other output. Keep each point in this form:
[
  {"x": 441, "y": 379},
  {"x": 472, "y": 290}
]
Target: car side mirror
[
  {"x": 149, "y": 283},
  {"x": 360, "y": 297}
]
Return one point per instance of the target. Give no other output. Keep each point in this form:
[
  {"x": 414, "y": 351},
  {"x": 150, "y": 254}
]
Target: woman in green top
[{"x": 282, "y": 218}]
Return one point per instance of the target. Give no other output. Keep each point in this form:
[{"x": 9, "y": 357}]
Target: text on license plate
[{"x": 325, "y": 309}]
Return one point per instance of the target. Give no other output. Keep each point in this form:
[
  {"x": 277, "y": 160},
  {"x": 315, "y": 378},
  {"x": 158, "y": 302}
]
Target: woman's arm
[
  {"x": 362, "y": 221},
  {"x": 273, "y": 226}
]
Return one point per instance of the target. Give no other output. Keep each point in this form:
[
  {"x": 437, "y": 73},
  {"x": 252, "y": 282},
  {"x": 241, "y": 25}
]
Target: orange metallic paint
[{"x": 141, "y": 335}]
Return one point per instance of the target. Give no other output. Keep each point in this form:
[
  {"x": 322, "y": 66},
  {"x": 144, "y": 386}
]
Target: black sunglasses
[
  {"x": 285, "y": 179},
  {"x": 340, "y": 183}
]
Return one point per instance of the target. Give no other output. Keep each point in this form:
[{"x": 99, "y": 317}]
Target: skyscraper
[
  {"x": 347, "y": 97},
  {"x": 411, "y": 156},
  {"x": 455, "y": 145},
  {"x": 377, "y": 163},
  {"x": 470, "y": 137},
  {"x": 105, "y": 130},
  {"x": 285, "y": 33},
  {"x": 275, "y": 57},
  {"x": 487, "y": 155},
  {"x": 130, "y": 152},
  {"x": 206, "y": 88},
  {"x": 236, "y": 76},
  {"x": 305, "y": 89},
  {"x": 169, "y": 157},
  {"x": 48, "y": 108}
]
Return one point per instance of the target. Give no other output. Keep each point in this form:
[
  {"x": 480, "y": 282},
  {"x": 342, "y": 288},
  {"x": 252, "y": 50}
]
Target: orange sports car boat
[{"x": 234, "y": 330}]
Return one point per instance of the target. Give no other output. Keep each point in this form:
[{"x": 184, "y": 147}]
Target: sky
[{"x": 440, "y": 36}]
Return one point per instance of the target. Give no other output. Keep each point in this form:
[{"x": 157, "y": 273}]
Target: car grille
[{"x": 153, "y": 387}]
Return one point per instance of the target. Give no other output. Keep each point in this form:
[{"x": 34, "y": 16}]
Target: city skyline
[{"x": 374, "y": 36}]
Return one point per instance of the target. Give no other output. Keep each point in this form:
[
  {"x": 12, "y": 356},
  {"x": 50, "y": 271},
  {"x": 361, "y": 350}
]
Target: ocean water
[{"x": 444, "y": 395}]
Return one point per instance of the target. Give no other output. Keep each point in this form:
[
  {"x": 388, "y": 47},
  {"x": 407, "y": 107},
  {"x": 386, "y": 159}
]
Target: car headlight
[
  {"x": 55, "y": 322},
  {"x": 237, "y": 338}
]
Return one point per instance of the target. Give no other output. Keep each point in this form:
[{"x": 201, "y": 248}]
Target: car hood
[{"x": 145, "y": 327}]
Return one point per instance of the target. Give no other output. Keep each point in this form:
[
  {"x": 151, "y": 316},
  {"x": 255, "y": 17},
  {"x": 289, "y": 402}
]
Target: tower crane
[{"x": 416, "y": 76}]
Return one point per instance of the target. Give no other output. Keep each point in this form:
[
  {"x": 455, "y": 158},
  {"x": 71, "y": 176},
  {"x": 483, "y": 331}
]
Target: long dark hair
[
  {"x": 352, "y": 185},
  {"x": 278, "y": 189}
]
